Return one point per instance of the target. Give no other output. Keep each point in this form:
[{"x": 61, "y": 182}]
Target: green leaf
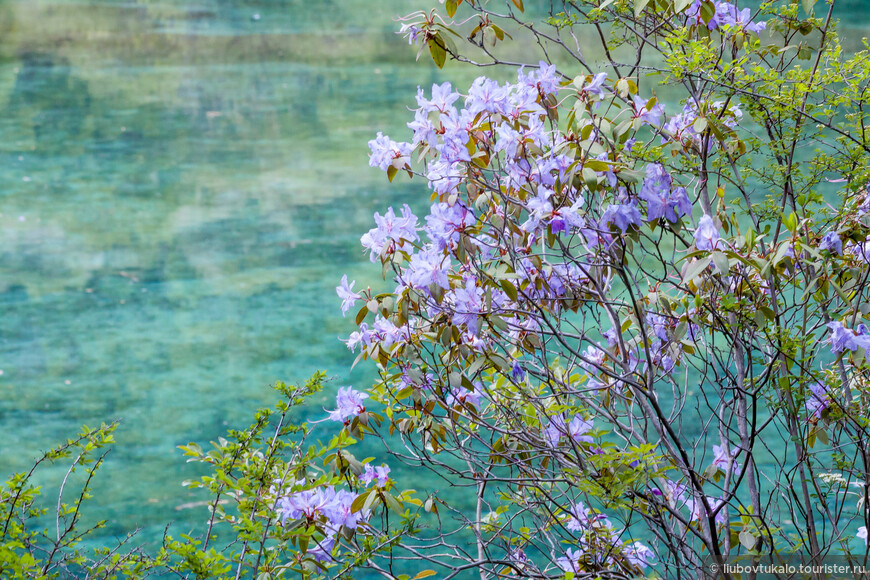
[
  {"x": 680, "y": 5},
  {"x": 721, "y": 261},
  {"x": 519, "y": 5},
  {"x": 808, "y": 6},
  {"x": 596, "y": 165},
  {"x": 708, "y": 11},
  {"x": 393, "y": 503},
  {"x": 639, "y": 5},
  {"x": 436, "y": 49},
  {"x": 475, "y": 366},
  {"x": 747, "y": 539},
  {"x": 700, "y": 125},
  {"x": 424, "y": 574},
  {"x": 451, "y": 6},
  {"x": 509, "y": 289},
  {"x": 840, "y": 292},
  {"x": 360, "y": 501},
  {"x": 361, "y": 315},
  {"x": 391, "y": 172},
  {"x": 695, "y": 269}
]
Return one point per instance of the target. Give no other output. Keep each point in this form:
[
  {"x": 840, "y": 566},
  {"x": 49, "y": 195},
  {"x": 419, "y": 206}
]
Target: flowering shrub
[{"x": 651, "y": 310}]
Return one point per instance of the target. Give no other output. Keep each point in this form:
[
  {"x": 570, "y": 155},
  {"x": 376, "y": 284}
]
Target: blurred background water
[{"x": 183, "y": 185}]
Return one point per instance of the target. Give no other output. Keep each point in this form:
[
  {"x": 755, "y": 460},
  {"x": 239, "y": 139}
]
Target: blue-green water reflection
[{"x": 183, "y": 187}]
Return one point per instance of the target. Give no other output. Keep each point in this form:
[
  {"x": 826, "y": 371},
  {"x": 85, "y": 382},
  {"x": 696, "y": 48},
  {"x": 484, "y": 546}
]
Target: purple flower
[
  {"x": 411, "y": 31},
  {"x": 592, "y": 358},
  {"x": 463, "y": 396},
  {"x": 445, "y": 222},
  {"x": 578, "y": 518},
  {"x": 693, "y": 15},
  {"x": 349, "y": 403},
  {"x": 680, "y": 202},
  {"x": 570, "y": 562},
  {"x": 442, "y": 100},
  {"x": 655, "y": 191},
  {"x": 386, "y": 152},
  {"x": 539, "y": 208},
  {"x": 706, "y": 234},
  {"x": 444, "y": 176},
  {"x": 831, "y": 242},
  {"x": 509, "y": 139},
  {"x": 429, "y": 267},
  {"x": 524, "y": 102},
  {"x": 322, "y": 550},
  {"x": 453, "y": 149},
  {"x": 661, "y": 201},
  {"x": 486, "y": 95},
  {"x": 860, "y": 250},
  {"x": 468, "y": 303},
  {"x": 722, "y": 458},
  {"x": 659, "y": 326},
  {"x": 843, "y": 339},
  {"x": 818, "y": 400},
  {"x": 864, "y": 206},
  {"x": 361, "y": 337},
  {"x": 379, "y": 474},
  {"x": 387, "y": 332},
  {"x": 621, "y": 215},
  {"x": 307, "y": 503},
  {"x": 347, "y": 295},
  {"x": 729, "y": 15},
  {"x": 517, "y": 372},
  {"x": 518, "y": 557},
  {"x": 639, "y": 554},
  {"x": 544, "y": 79},
  {"x": 595, "y": 86},
  {"x": 651, "y": 117},
  {"x": 423, "y": 128},
  {"x": 696, "y": 507},
  {"x": 339, "y": 512},
  {"x": 577, "y": 429},
  {"x": 390, "y": 232}
]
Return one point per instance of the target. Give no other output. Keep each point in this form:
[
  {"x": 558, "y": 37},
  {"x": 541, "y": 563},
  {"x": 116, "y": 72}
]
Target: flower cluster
[
  {"x": 818, "y": 400},
  {"x": 324, "y": 507},
  {"x": 726, "y": 16},
  {"x": 349, "y": 404},
  {"x": 842, "y": 339},
  {"x": 597, "y": 539}
]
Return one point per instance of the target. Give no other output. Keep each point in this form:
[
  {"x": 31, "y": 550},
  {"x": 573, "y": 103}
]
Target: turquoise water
[{"x": 183, "y": 186}]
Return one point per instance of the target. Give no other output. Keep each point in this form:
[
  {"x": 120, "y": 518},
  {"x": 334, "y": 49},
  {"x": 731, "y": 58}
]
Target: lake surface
[{"x": 183, "y": 186}]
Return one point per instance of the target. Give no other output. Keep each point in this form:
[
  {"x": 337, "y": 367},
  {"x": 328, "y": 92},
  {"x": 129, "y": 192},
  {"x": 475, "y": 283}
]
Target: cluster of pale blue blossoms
[
  {"x": 726, "y": 15},
  {"x": 530, "y": 157},
  {"x": 325, "y": 506},
  {"x": 554, "y": 208}
]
